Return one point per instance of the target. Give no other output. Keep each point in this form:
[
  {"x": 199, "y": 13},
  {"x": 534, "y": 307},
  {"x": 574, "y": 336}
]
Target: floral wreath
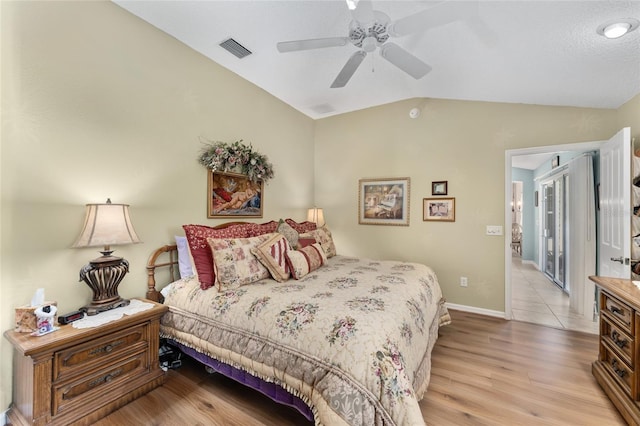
[{"x": 236, "y": 157}]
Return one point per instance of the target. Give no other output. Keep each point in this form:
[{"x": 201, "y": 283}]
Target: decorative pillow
[
  {"x": 322, "y": 236},
  {"x": 184, "y": 260},
  {"x": 289, "y": 233},
  {"x": 263, "y": 228},
  {"x": 304, "y": 242},
  {"x": 301, "y": 262},
  {"x": 201, "y": 252},
  {"x": 301, "y": 227},
  {"x": 235, "y": 265},
  {"x": 272, "y": 254}
]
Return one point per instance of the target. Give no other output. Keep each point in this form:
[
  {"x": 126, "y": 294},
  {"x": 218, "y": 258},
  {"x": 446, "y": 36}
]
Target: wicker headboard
[{"x": 152, "y": 265}]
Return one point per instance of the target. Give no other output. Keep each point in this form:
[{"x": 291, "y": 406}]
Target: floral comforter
[{"x": 353, "y": 339}]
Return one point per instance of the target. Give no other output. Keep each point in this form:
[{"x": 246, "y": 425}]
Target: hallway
[{"x": 536, "y": 299}]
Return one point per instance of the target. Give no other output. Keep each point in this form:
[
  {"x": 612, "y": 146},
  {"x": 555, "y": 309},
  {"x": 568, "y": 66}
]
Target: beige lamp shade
[
  {"x": 105, "y": 225},
  {"x": 316, "y": 216}
]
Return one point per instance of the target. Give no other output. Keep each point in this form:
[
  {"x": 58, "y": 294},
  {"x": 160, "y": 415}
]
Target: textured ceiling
[{"x": 532, "y": 52}]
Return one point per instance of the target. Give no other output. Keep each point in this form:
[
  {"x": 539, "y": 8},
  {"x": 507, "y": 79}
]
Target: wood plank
[{"x": 486, "y": 371}]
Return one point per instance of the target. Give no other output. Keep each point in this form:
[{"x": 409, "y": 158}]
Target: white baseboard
[
  {"x": 3, "y": 417},
  {"x": 474, "y": 310}
]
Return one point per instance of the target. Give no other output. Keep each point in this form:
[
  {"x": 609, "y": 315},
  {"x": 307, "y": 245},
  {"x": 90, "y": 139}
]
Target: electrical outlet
[{"x": 464, "y": 282}]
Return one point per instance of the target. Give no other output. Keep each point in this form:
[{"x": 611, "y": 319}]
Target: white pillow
[{"x": 184, "y": 260}]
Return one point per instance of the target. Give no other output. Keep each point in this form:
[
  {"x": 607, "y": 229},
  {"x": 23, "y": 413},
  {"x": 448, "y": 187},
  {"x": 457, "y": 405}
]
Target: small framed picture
[
  {"x": 439, "y": 188},
  {"x": 555, "y": 161},
  {"x": 439, "y": 209}
]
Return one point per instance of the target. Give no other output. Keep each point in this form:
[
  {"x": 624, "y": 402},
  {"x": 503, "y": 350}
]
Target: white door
[{"x": 615, "y": 206}]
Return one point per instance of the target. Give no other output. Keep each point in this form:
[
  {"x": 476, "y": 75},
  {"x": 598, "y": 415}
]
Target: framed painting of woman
[{"x": 233, "y": 195}]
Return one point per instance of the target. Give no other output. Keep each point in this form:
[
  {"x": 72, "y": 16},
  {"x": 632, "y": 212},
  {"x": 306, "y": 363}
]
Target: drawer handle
[
  {"x": 619, "y": 371},
  {"x": 106, "y": 378},
  {"x": 617, "y": 310},
  {"x": 621, "y": 343},
  {"x": 107, "y": 348}
]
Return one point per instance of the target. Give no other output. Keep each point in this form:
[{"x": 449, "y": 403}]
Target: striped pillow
[
  {"x": 272, "y": 254},
  {"x": 305, "y": 260}
]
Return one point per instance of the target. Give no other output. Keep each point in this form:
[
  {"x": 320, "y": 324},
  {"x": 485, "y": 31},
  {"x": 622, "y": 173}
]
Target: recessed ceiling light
[{"x": 618, "y": 27}]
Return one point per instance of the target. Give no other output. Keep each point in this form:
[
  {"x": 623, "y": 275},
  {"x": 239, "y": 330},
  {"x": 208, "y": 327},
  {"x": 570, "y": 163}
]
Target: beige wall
[
  {"x": 95, "y": 104},
  {"x": 461, "y": 142},
  {"x": 629, "y": 116}
]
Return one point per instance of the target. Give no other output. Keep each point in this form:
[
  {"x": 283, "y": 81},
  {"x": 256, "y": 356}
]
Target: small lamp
[
  {"x": 105, "y": 225},
  {"x": 316, "y": 216}
]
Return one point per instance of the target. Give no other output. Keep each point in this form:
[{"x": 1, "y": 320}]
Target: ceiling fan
[{"x": 371, "y": 29}]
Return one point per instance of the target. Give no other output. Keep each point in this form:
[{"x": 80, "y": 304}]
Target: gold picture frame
[
  {"x": 439, "y": 209},
  {"x": 384, "y": 201},
  {"x": 233, "y": 195}
]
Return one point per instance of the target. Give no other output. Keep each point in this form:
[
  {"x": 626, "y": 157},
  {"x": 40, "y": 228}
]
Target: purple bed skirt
[{"x": 272, "y": 390}]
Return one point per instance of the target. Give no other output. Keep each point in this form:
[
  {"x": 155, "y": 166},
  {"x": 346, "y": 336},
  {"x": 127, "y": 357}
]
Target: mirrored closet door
[{"x": 554, "y": 201}]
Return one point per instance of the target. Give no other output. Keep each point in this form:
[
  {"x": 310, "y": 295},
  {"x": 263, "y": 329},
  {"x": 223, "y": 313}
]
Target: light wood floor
[{"x": 486, "y": 371}]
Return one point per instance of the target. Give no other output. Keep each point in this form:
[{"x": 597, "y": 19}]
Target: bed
[{"x": 346, "y": 341}]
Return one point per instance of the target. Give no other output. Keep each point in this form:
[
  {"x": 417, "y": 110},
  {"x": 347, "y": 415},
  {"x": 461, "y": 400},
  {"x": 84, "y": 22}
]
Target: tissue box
[{"x": 26, "y": 318}]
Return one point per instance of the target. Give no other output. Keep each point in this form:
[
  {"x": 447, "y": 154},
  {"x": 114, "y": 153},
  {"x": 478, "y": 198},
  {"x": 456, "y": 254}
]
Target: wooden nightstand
[{"x": 77, "y": 376}]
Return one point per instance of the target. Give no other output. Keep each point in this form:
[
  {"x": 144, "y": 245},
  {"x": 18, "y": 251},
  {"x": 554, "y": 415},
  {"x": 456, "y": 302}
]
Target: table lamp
[
  {"x": 105, "y": 225},
  {"x": 316, "y": 216}
]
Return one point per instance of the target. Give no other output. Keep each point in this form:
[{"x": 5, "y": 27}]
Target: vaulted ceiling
[{"x": 532, "y": 52}]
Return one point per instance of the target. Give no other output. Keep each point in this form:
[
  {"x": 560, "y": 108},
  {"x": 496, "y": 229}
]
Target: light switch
[{"x": 494, "y": 230}]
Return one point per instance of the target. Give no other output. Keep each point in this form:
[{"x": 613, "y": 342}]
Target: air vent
[
  {"x": 322, "y": 109},
  {"x": 235, "y": 48}
]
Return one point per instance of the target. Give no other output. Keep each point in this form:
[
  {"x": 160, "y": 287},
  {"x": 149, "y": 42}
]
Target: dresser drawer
[
  {"x": 79, "y": 357},
  {"x": 619, "y": 340},
  {"x": 618, "y": 369},
  {"x": 619, "y": 311},
  {"x": 77, "y": 392}
]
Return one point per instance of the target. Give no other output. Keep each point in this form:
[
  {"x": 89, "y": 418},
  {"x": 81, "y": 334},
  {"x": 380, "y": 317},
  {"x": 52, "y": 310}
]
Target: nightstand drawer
[
  {"x": 618, "y": 369},
  {"x": 621, "y": 313},
  {"x": 78, "y": 391},
  {"x": 79, "y": 357},
  {"x": 619, "y": 340}
]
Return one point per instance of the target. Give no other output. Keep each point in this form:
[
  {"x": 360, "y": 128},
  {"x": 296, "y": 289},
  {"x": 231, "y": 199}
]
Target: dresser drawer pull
[
  {"x": 621, "y": 343},
  {"x": 106, "y": 378},
  {"x": 106, "y": 348},
  {"x": 619, "y": 371},
  {"x": 617, "y": 310}
]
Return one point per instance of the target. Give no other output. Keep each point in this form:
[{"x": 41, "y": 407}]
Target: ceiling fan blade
[
  {"x": 315, "y": 43},
  {"x": 349, "y": 68},
  {"x": 404, "y": 60},
  {"x": 443, "y": 13},
  {"x": 363, "y": 12}
]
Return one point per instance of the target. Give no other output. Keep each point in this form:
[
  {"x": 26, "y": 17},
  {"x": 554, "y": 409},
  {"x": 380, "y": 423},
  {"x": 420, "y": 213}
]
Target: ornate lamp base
[{"x": 103, "y": 275}]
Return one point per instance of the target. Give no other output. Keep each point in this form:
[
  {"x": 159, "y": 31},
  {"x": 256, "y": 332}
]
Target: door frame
[{"x": 509, "y": 154}]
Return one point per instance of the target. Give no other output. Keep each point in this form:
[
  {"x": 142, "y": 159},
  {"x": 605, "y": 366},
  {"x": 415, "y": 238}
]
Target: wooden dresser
[
  {"x": 77, "y": 376},
  {"x": 617, "y": 368}
]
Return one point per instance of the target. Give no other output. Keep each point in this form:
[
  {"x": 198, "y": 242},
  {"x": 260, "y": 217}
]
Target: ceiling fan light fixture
[
  {"x": 369, "y": 44},
  {"x": 617, "y": 28}
]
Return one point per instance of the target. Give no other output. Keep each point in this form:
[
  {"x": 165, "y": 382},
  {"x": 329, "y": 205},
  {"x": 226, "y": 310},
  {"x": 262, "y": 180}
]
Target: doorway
[{"x": 544, "y": 276}]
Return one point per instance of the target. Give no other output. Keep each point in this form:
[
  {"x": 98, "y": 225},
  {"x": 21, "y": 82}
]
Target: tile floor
[{"x": 534, "y": 298}]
